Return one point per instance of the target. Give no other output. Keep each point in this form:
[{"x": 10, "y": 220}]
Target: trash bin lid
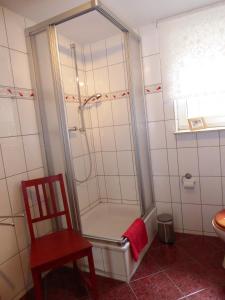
[{"x": 164, "y": 217}]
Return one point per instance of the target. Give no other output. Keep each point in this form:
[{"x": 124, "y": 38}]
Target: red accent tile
[
  {"x": 216, "y": 293},
  {"x": 169, "y": 255},
  {"x": 188, "y": 277},
  {"x": 147, "y": 267},
  {"x": 157, "y": 287}
]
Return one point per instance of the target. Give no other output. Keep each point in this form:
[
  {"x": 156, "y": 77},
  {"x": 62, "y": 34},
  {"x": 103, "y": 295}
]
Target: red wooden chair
[{"x": 58, "y": 248}]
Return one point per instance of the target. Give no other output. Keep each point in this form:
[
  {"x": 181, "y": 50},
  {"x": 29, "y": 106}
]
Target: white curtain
[{"x": 192, "y": 49}]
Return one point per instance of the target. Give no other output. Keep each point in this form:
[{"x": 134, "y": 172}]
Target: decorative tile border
[
  {"x": 151, "y": 89},
  {"x": 11, "y": 92}
]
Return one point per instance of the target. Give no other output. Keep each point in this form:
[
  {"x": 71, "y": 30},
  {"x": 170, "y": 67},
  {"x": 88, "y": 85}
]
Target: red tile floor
[{"x": 190, "y": 269}]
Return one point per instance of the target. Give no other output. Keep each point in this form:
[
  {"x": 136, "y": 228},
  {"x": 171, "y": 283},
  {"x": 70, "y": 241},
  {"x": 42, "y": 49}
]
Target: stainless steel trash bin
[{"x": 165, "y": 228}]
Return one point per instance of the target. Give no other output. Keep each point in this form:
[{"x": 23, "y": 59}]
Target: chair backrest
[{"x": 46, "y": 200}]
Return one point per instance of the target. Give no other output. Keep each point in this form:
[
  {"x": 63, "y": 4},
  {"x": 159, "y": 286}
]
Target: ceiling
[
  {"x": 134, "y": 13},
  {"x": 88, "y": 28}
]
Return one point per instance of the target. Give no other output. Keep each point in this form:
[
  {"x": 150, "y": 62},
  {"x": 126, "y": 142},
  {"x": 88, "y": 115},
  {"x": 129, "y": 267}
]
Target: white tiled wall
[
  {"x": 173, "y": 156},
  {"x": 20, "y": 155},
  {"x": 102, "y": 66}
]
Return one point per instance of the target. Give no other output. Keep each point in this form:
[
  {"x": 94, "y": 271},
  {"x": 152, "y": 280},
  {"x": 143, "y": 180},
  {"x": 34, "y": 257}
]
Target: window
[{"x": 193, "y": 65}]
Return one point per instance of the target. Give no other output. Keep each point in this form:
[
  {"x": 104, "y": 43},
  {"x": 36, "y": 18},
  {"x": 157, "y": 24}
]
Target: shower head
[{"x": 95, "y": 96}]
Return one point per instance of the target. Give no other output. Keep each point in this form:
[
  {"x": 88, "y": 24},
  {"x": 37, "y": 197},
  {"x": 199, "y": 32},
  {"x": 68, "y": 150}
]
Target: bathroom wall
[
  {"x": 20, "y": 154},
  {"x": 111, "y": 124},
  {"x": 201, "y": 154},
  {"x": 88, "y": 192},
  {"x": 101, "y": 70}
]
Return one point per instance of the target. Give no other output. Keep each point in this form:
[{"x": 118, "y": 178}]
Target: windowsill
[{"x": 200, "y": 130}]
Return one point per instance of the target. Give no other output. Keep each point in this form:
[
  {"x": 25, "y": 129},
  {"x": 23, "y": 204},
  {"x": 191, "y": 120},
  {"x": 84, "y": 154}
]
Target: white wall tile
[
  {"x": 169, "y": 109},
  {"x": 192, "y": 217},
  {"x": 117, "y": 77},
  {"x": 99, "y": 163},
  {"x": 170, "y": 136},
  {"x": 22, "y": 233},
  {"x": 15, "y": 192},
  {"x": 155, "y": 110},
  {"x": 76, "y": 144},
  {"x": 79, "y": 168},
  {"x": 90, "y": 83},
  {"x": 101, "y": 80},
  {"x": 102, "y": 187},
  {"x": 87, "y": 57},
  {"x": 208, "y": 138},
  {"x": 163, "y": 207},
  {"x": 149, "y": 37},
  {"x": 4, "y": 203},
  {"x": 9, "y": 119},
  {"x": 159, "y": 162},
  {"x": 15, "y": 25},
  {"x": 113, "y": 187},
  {"x": 189, "y": 195},
  {"x": 222, "y": 151},
  {"x": 110, "y": 163},
  {"x": 107, "y": 139},
  {"x": 98, "y": 51},
  {"x": 188, "y": 161},
  {"x": 11, "y": 282},
  {"x": 209, "y": 161},
  {"x": 68, "y": 79},
  {"x": 13, "y": 155},
  {"x": 157, "y": 135},
  {"x": 175, "y": 188},
  {"x": 208, "y": 213},
  {"x": 172, "y": 161},
  {"x": 80, "y": 57},
  {"x": 105, "y": 114},
  {"x": 32, "y": 151},
  {"x": 125, "y": 163},
  {"x": 25, "y": 260},
  {"x": 20, "y": 67},
  {"x": 161, "y": 188},
  {"x": 177, "y": 216},
  {"x": 3, "y": 37},
  {"x": 152, "y": 74},
  {"x": 211, "y": 190},
  {"x": 65, "y": 53},
  {"x": 9, "y": 246},
  {"x": 96, "y": 139},
  {"x": 122, "y": 137},
  {"x": 6, "y": 77},
  {"x": 94, "y": 115},
  {"x": 93, "y": 190},
  {"x": 83, "y": 197},
  {"x": 27, "y": 116},
  {"x": 73, "y": 115},
  {"x": 186, "y": 140},
  {"x": 2, "y": 170},
  {"x": 120, "y": 112},
  {"x": 114, "y": 49},
  {"x": 128, "y": 187},
  {"x": 82, "y": 82}
]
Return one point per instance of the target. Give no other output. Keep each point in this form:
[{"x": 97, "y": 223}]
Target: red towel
[{"x": 137, "y": 236}]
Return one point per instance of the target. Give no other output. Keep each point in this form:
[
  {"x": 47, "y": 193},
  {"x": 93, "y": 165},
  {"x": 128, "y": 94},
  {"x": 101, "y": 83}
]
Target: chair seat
[{"x": 50, "y": 248}]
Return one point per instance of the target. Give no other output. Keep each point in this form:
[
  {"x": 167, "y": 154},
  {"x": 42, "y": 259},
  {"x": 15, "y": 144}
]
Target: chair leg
[
  {"x": 37, "y": 286},
  {"x": 92, "y": 276}
]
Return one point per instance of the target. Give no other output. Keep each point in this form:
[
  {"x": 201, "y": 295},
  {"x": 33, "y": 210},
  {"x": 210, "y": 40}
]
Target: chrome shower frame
[{"x": 49, "y": 27}]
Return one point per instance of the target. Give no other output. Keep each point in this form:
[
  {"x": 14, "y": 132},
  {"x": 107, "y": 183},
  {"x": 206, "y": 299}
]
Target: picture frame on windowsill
[{"x": 197, "y": 123}]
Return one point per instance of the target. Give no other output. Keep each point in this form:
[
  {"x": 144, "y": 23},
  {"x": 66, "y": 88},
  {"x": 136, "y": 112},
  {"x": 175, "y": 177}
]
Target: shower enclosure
[{"x": 89, "y": 97}]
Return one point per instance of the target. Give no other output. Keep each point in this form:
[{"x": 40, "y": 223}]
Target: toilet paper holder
[
  {"x": 187, "y": 176},
  {"x": 188, "y": 181}
]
